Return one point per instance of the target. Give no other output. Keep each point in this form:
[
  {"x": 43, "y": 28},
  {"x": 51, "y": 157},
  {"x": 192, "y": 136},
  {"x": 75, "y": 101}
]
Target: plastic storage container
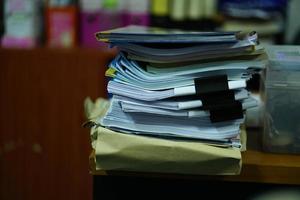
[{"x": 282, "y": 100}]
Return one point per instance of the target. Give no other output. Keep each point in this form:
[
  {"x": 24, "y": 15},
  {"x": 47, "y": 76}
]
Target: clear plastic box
[{"x": 282, "y": 100}]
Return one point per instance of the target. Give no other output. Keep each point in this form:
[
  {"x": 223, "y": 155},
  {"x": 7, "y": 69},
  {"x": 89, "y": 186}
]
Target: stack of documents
[
  {"x": 181, "y": 85},
  {"x": 114, "y": 150}
]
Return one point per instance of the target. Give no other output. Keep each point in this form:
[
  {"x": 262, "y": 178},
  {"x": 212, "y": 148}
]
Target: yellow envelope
[{"x": 126, "y": 152}]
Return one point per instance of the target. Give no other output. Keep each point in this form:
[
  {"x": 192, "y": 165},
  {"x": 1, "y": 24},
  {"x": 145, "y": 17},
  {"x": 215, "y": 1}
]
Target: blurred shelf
[
  {"x": 265, "y": 28},
  {"x": 46, "y": 50}
]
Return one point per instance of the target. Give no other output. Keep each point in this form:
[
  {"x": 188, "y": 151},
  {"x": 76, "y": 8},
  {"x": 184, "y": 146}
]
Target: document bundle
[{"x": 181, "y": 86}]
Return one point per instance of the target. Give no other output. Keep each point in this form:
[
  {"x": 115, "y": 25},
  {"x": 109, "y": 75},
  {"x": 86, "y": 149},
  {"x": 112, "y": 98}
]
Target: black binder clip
[
  {"x": 211, "y": 84},
  {"x": 210, "y": 100},
  {"x": 216, "y": 97},
  {"x": 227, "y": 111}
]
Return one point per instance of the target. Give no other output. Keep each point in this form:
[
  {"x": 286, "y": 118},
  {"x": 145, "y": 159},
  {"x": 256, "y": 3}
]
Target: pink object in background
[
  {"x": 108, "y": 20},
  {"x": 13, "y": 42},
  {"x": 89, "y": 25},
  {"x": 22, "y": 23},
  {"x": 98, "y": 15},
  {"x": 137, "y": 19},
  {"x": 62, "y": 26}
]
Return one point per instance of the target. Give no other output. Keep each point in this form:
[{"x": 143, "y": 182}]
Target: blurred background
[
  {"x": 70, "y": 23},
  {"x": 50, "y": 62}
]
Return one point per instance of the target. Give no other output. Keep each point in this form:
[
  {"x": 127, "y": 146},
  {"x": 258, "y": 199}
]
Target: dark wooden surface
[{"x": 43, "y": 148}]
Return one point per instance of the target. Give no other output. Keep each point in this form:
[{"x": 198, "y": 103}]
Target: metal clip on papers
[{"x": 216, "y": 97}]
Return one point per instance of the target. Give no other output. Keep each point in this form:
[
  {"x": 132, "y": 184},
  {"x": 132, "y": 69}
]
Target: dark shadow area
[{"x": 117, "y": 187}]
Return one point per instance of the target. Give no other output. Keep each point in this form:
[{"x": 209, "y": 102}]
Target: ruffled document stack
[{"x": 180, "y": 86}]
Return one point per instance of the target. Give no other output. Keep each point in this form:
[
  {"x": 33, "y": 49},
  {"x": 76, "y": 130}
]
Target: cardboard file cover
[{"x": 126, "y": 152}]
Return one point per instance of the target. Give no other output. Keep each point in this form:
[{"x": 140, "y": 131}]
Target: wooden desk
[{"x": 258, "y": 167}]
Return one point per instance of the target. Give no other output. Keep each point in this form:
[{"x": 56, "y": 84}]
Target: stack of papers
[
  {"x": 153, "y": 44},
  {"x": 129, "y": 152},
  {"x": 181, "y": 85}
]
